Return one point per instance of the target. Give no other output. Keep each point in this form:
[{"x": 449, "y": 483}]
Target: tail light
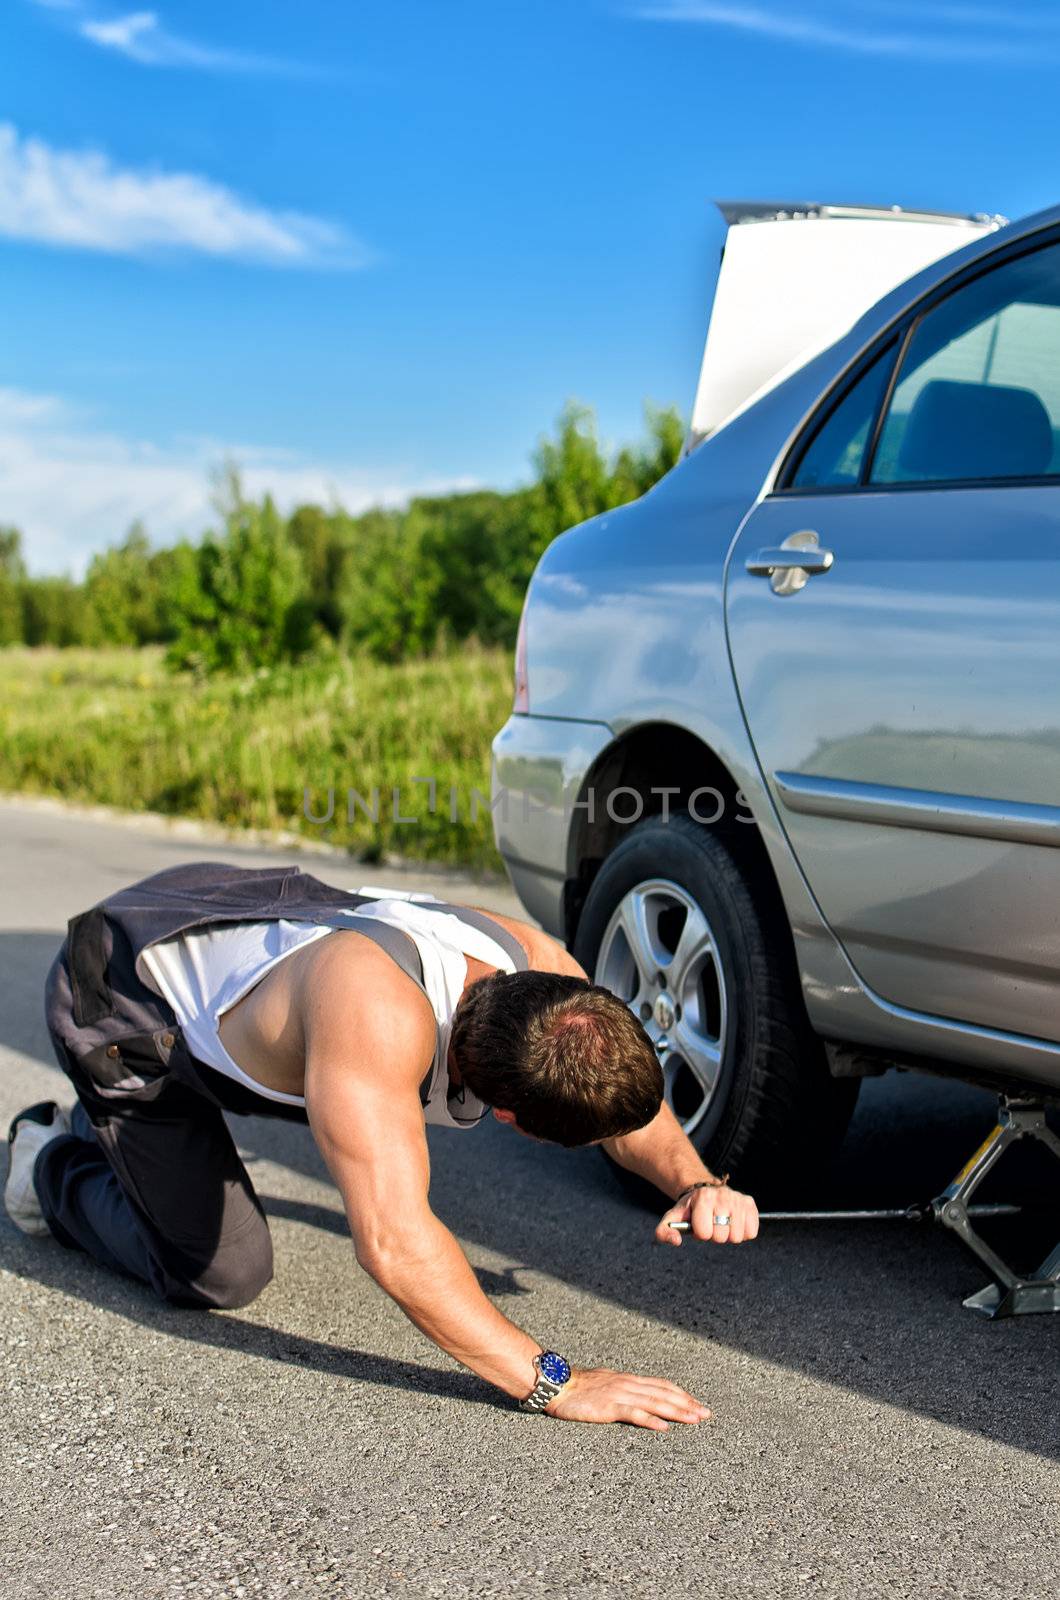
[{"x": 522, "y": 682}]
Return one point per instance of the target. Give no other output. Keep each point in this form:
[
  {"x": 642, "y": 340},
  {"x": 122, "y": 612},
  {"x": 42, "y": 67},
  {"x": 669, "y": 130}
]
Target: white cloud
[
  {"x": 80, "y": 199},
  {"x": 73, "y": 488},
  {"x": 840, "y": 31},
  {"x": 18, "y": 406},
  {"x": 135, "y": 35},
  {"x": 142, "y": 38}
]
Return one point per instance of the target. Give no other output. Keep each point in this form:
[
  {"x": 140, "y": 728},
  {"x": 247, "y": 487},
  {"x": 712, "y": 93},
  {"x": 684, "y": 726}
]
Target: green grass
[{"x": 113, "y": 727}]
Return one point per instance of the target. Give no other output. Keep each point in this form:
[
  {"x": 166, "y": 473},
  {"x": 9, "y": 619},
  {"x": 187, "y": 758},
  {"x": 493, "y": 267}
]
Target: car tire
[{"x": 725, "y": 1000}]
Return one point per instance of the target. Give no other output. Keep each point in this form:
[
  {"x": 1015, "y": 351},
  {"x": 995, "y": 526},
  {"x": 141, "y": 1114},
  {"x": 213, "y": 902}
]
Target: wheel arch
[{"x": 648, "y": 759}]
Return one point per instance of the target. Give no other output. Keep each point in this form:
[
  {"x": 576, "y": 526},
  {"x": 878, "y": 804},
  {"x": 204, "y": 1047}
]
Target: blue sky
[{"x": 370, "y": 249}]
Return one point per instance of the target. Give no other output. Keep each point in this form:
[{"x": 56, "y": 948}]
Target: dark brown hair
[{"x": 566, "y": 1056}]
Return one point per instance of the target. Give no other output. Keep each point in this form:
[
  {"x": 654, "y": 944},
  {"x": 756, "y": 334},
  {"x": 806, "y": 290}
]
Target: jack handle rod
[{"x": 914, "y": 1213}]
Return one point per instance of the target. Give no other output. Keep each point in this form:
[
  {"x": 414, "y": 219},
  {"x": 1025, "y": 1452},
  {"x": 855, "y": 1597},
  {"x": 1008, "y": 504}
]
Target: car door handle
[
  {"x": 790, "y": 565},
  {"x": 811, "y": 559}
]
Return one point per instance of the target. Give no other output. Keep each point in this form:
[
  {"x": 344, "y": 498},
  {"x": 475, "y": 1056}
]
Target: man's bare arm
[
  {"x": 364, "y": 1110},
  {"x": 375, "y": 1147},
  {"x": 664, "y": 1155}
]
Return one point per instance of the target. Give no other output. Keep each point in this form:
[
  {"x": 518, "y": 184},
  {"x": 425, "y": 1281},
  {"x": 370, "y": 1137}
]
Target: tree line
[{"x": 261, "y": 588}]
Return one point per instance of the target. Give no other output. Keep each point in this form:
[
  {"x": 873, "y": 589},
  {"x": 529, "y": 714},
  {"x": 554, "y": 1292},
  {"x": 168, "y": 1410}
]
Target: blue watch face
[{"x": 553, "y": 1367}]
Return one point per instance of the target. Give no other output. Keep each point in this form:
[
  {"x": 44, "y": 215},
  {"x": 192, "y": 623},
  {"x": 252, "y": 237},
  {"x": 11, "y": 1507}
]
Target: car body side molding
[{"x": 930, "y": 809}]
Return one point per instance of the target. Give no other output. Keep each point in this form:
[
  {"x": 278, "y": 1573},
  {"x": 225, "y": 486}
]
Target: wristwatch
[{"x": 552, "y": 1374}]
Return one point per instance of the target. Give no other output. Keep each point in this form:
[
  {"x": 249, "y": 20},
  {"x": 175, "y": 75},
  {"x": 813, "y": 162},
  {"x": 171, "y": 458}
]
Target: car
[{"x": 783, "y": 765}]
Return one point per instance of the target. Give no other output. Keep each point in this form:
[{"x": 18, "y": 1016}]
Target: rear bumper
[{"x": 538, "y": 768}]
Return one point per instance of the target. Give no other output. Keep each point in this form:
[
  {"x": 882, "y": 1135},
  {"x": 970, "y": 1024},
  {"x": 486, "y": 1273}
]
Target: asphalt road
[{"x": 870, "y": 1437}]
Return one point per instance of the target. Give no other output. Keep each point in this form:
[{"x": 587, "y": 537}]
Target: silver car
[{"x": 784, "y": 763}]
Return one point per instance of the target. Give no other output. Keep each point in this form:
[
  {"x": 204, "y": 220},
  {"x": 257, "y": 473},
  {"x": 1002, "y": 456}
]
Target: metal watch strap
[{"x": 543, "y": 1392}]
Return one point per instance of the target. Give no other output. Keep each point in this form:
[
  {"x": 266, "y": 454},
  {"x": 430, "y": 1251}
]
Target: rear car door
[{"x": 902, "y": 684}]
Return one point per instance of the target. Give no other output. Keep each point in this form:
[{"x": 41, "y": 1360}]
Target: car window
[
  {"x": 978, "y": 394},
  {"x": 833, "y": 457}
]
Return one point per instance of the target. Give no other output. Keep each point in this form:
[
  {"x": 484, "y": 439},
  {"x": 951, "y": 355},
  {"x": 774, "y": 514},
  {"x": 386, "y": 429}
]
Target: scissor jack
[{"x": 1010, "y": 1295}]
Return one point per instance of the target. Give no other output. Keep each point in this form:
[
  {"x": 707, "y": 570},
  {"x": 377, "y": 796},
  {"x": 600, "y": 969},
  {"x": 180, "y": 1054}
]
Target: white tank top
[{"x": 205, "y": 972}]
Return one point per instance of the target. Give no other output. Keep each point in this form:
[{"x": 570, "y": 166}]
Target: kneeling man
[{"x": 209, "y": 988}]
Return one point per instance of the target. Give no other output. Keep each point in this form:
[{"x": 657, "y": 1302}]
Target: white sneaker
[{"x": 31, "y": 1130}]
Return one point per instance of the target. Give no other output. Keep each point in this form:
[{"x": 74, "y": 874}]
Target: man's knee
[
  {"x": 246, "y": 1282},
  {"x": 232, "y": 1279}
]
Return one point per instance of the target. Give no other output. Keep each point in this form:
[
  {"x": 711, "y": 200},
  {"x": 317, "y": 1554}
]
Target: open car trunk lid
[{"x": 795, "y": 277}]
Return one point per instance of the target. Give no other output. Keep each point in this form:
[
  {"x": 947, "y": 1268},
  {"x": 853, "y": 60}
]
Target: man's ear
[{"x": 507, "y": 1117}]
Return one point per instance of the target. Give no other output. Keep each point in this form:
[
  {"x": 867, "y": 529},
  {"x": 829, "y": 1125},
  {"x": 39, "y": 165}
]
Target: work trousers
[{"x": 150, "y": 1182}]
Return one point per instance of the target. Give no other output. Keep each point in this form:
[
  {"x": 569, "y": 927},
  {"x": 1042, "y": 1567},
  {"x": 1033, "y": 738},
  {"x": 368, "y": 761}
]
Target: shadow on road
[
  {"x": 496, "y": 1284},
  {"x": 873, "y": 1308},
  {"x": 24, "y": 962},
  {"x": 74, "y": 1274}
]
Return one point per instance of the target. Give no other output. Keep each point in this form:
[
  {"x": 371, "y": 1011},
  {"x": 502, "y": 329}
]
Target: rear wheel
[{"x": 698, "y": 947}]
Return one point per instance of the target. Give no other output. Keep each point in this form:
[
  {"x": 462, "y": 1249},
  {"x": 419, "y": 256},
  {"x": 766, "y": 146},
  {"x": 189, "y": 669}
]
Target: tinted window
[
  {"x": 978, "y": 395},
  {"x": 833, "y": 457}
]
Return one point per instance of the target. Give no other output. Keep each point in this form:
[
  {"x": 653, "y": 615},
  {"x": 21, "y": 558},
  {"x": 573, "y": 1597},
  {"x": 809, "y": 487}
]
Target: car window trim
[
  {"x": 828, "y": 411},
  {"x": 935, "y": 485},
  {"x": 901, "y": 330},
  {"x": 904, "y": 340}
]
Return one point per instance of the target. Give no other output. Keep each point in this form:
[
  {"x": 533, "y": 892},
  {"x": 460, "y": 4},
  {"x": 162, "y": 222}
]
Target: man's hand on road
[
  {"x": 700, "y": 1208},
  {"x": 594, "y": 1394}
]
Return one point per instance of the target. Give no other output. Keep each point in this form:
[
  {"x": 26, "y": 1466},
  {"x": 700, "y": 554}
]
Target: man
[{"x": 208, "y": 988}]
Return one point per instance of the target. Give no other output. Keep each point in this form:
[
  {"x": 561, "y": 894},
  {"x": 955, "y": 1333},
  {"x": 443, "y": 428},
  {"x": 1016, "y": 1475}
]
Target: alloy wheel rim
[{"x": 660, "y": 956}]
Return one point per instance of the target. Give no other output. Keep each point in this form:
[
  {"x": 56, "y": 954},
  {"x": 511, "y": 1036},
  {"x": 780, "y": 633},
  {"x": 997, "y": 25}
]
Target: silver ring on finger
[{"x": 722, "y": 1222}]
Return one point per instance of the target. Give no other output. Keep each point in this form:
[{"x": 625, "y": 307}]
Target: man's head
[{"x": 567, "y": 1058}]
